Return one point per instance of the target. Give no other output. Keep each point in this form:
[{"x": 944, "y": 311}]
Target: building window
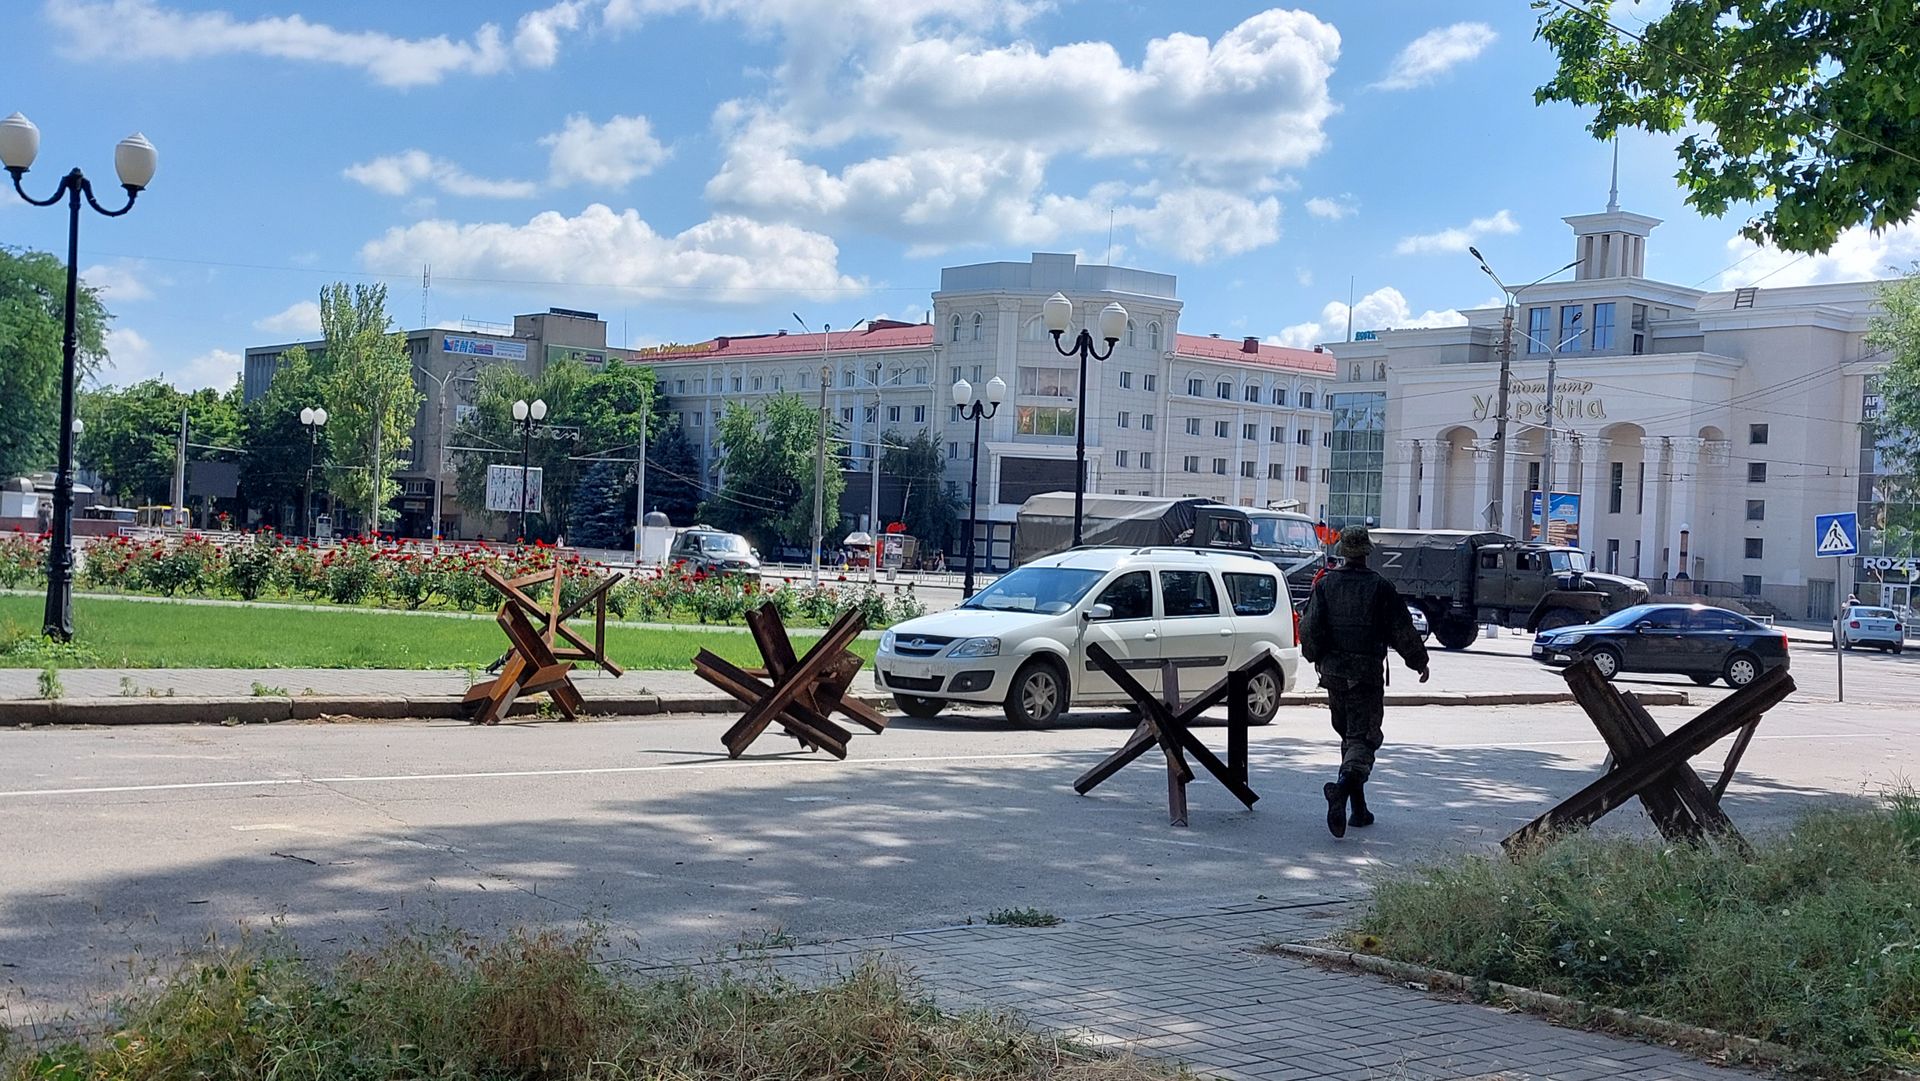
[
  {"x": 756, "y": 382},
  {"x": 955, "y": 419},
  {"x": 1756, "y": 434},
  {"x": 1279, "y": 395},
  {"x": 700, "y": 386},
  {"x": 1153, "y": 336},
  {"x": 1149, "y": 381},
  {"x": 1220, "y": 466},
  {"x": 1193, "y": 425},
  {"x": 919, "y": 414},
  {"x": 846, "y": 415},
  {"x": 1047, "y": 382},
  {"x": 1533, "y": 476},
  {"x": 1246, "y": 469},
  {"x": 1221, "y": 428},
  {"x": 1640, "y": 493},
  {"x": 1250, "y": 431},
  {"x": 1123, "y": 418},
  {"x": 1196, "y": 386},
  {"x": 1616, "y": 486},
  {"x": 976, "y": 375},
  {"x": 1126, "y": 378},
  {"x": 1223, "y": 389},
  {"x": 1326, "y": 475},
  {"x": 977, "y": 321},
  {"x": 1602, "y": 326},
  {"x": 1756, "y": 472},
  {"x": 1755, "y": 548},
  {"x": 1306, "y": 399},
  {"x": 893, "y": 415},
  {"x": 1573, "y": 328},
  {"x": 1326, "y": 439},
  {"x": 1129, "y": 341},
  {"x": 1277, "y": 434},
  {"x": 871, "y": 414},
  {"x": 1300, "y": 473},
  {"x": 1035, "y": 330},
  {"x": 679, "y": 386},
  {"x": 1539, "y": 325},
  {"x": 1303, "y": 436},
  {"x": 1044, "y": 420},
  {"x": 806, "y": 379},
  {"x": 736, "y": 384},
  {"x": 1191, "y": 463},
  {"x": 920, "y": 376},
  {"x": 1275, "y": 471},
  {"x": 776, "y": 382},
  {"x": 1253, "y": 392},
  {"x": 1756, "y": 510},
  {"x": 1146, "y": 461},
  {"x": 1120, "y": 459},
  {"x": 955, "y": 335},
  {"x": 1750, "y": 585},
  {"x": 1146, "y": 421},
  {"x": 699, "y": 419},
  {"x": 953, "y": 451}
]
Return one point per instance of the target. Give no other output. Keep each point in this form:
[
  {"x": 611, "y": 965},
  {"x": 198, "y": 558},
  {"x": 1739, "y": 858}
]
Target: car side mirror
[
  {"x": 1098, "y": 611},
  {"x": 1642, "y": 628}
]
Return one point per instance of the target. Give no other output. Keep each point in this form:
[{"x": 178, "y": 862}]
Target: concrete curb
[
  {"x": 184, "y": 709},
  {"x": 1712, "y": 1040}
]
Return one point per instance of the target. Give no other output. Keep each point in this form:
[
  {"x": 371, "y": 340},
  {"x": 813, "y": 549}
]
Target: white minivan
[{"x": 1022, "y": 641}]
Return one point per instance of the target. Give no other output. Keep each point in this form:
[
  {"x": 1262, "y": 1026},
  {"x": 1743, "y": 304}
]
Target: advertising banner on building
[
  {"x": 503, "y": 488},
  {"x": 474, "y": 347},
  {"x": 1562, "y": 519}
]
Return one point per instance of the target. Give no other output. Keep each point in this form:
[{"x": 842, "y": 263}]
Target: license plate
[
  {"x": 912, "y": 670},
  {"x": 1539, "y": 651}
]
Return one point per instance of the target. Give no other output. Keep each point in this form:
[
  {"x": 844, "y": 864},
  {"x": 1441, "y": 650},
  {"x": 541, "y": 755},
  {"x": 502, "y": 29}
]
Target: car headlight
[
  {"x": 976, "y": 647},
  {"x": 886, "y": 641},
  {"x": 1564, "y": 640}
]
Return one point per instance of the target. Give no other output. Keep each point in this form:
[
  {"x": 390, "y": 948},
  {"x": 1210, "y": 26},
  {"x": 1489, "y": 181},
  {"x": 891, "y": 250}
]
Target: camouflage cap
[{"x": 1353, "y": 543}]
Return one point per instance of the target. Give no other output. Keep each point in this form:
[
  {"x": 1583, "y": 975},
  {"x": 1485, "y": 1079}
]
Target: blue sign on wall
[{"x": 1836, "y": 534}]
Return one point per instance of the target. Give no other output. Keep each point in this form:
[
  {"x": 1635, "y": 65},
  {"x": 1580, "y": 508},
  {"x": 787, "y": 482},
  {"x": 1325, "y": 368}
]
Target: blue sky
[{"x": 697, "y": 167}]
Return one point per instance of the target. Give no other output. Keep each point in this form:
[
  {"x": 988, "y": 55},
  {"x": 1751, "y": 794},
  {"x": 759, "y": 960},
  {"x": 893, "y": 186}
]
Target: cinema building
[{"x": 1695, "y": 435}]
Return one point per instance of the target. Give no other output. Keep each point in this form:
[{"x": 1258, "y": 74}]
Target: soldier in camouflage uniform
[{"x": 1353, "y": 616}]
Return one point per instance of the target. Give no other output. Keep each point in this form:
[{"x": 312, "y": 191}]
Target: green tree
[
  {"x": 768, "y": 453},
  {"x": 493, "y": 429},
  {"x": 372, "y": 403},
  {"x": 602, "y": 515},
  {"x": 132, "y": 435},
  {"x": 1894, "y": 332},
  {"x": 273, "y": 472},
  {"x": 932, "y": 504},
  {"x": 1805, "y": 106},
  {"x": 33, "y": 305},
  {"x": 674, "y": 487}
]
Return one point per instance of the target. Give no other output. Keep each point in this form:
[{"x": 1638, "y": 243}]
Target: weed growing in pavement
[
  {"x": 769, "y": 938},
  {"x": 128, "y": 688},
  {"x": 50, "y": 686},
  {"x": 536, "y": 1005},
  {"x": 265, "y": 690},
  {"x": 1023, "y": 917},
  {"x": 1812, "y": 942}
]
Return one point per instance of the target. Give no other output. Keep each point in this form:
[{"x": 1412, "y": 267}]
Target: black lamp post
[
  {"x": 313, "y": 418},
  {"x": 1113, "y": 322},
  {"x": 526, "y": 414},
  {"x": 134, "y": 160},
  {"x": 975, "y": 409}
]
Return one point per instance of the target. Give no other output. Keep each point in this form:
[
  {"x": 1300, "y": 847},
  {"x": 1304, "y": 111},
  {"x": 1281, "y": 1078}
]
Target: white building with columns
[{"x": 1701, "y": 432}]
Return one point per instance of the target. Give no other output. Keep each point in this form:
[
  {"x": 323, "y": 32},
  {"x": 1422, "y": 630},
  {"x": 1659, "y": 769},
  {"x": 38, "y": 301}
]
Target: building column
[
  {"x": 1593, "y": 491},
  {"x": 1653, "y": 453},
  {"x": 1406, "y": 501},
  {"x": 1433, "y": 484},
  {"x": 1684, "y": 513},
  {"x": 1483, "y": 452}
]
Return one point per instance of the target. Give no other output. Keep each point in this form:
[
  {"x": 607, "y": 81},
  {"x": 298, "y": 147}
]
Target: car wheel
[
  {"x": 1263, "y": 696},
  {"x": 1846, "y": 643},
  {"x": 922, "y": 708},
  {"x": 1704, "y": 681},
  {"x": 1455, "y": 633},
  {"x": 1039, "y": 693},
  {"x": 1742, "y": 669},
  {"x": 1607, "y": 660},
  {"x": 1557, "y": 618},
  {"x": 1899, "y": 649}
]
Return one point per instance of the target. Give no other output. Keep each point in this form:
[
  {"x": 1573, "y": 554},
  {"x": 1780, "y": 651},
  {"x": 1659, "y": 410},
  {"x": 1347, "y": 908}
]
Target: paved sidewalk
[{"x": 1194, "y": 987}]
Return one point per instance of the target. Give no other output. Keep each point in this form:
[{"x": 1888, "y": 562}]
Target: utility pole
[
  {"x": 640, "y": 488},
  {"x": 180, "y": 475},
  {"x": 1497, "y": 507},
  {"x": 1546, "y": 466},
  {"x": 820, "y": 466},
  {"x": 873, "y": 496}
]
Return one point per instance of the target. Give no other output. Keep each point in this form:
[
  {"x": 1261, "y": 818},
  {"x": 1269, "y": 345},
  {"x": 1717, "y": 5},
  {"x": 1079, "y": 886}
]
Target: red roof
[{"x": 1278, "y": 356}]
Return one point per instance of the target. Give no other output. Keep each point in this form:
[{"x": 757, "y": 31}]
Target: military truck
[
  {"x": 1462, "y": 579},
  {"x": 1044, "y": 525},
  {"x": 1287, "y": 539}
]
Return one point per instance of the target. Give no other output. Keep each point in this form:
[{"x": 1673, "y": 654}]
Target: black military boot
[
  {"x": 1357, "y": 792},
  {"x": 1336, "y": 793}
]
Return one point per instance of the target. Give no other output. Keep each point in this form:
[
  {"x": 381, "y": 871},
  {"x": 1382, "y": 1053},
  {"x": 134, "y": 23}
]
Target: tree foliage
[
  {"x": 1894, "y": 334},
  {"x": 497, "y": 436},
  {"x": 602, "y": 515},
  {"x": 673, "y": 477},
  {"x": 273, "y": 472},
  {"x": 768, "y": 454},
  {"x": 932, "y": 503},
  {"x": 1807, "y": 107},
  {"x": 132, "y": 435},
  {"x": 366, "y": 376},
  {"x": 33, "y": 306}
]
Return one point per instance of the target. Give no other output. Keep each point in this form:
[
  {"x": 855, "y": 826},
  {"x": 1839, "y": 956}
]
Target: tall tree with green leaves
[
  {"x": 1806, "y": 107},
  {"x": 132, "y": 435},
  {"x": 273, "y": 472},
  {"x": 768, "y": 453},
  {"x": 932, "y": 503},
  {"x": 372, "y": 401},
  {"x": 674, "y": 484},
  {"x": 1894, "y": 334},
  {"x": 33, "y": 305},
  {"x": 496, "y": 437}
]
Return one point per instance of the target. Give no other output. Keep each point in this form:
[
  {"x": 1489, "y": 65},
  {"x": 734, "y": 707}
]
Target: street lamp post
[
  {"x": 313, "y": 418},
  {"x": 1497, "y": 506},
  {"x": 1113, "y": 322},
  {"x": 134, "y": 160},
  {"x": 975, "y": 410},
  {"x": 526, "y": 414}
]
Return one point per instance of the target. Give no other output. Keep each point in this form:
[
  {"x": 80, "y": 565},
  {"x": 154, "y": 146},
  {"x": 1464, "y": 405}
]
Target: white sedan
[{"x": 1865, "y": 625}]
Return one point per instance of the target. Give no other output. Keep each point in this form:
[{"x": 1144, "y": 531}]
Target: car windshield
[
  {"x": 1036, "y": 589},
  {"x": 1627, "y": 617},
  {"x": 725, "y": 543},
  {"x": 1282, "y": 532},
  {"x": 1569, "y": 561},
  {"x": 1873, "y": 613}
]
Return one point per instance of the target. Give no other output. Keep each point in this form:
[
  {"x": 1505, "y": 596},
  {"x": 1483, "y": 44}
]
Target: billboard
[
  {"x": 1562, "y": 519},
  {"x": 503, "y": 488},
  {"x": 474, "y": 347}
]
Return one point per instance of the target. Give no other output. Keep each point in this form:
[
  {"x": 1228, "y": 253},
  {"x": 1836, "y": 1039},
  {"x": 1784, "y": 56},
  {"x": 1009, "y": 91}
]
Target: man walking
[{"x": 1353, "y": 616}]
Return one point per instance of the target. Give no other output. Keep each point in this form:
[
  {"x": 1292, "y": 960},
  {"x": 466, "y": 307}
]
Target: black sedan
[{"x": 1685, "y": 639}]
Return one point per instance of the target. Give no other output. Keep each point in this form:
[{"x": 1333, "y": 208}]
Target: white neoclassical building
[{"x": 1697, "y": 433}]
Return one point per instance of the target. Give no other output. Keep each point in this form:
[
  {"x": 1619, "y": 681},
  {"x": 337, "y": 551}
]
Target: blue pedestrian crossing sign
[{"x": 1836, "y": 534}]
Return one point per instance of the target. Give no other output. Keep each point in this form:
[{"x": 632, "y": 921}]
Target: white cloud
[
  {"x": 143, "y": 29},
  {"x": 399, "y": 174},
  {"x": 723, "y": 260},
  {"x": 215, "y": 368},
  {"x": 1858, "y": 254},
  {"x": 300, "y": 319},
  {"x": 118, "y": 283},
  {"x": 1435, "y": 53},
  {"x": 1198, "y": 224},
  {"x": 1383, "y": 309},
  {"x": 129, "y": 356},
  {"x": 1339, "y": 206},
  {"x": 1458, "y": 238},
  {"x": 608, "y": 155}
]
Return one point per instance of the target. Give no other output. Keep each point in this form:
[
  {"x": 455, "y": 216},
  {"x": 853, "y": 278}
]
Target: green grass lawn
[{"x": 149, "y": 634}]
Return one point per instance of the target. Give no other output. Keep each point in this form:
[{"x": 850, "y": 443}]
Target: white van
[{"x": 1022, "y": 642}]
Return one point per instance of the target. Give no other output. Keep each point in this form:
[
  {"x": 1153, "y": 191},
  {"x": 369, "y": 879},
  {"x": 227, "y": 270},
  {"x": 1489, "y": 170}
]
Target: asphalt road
[{"x": 119, "y": 847}]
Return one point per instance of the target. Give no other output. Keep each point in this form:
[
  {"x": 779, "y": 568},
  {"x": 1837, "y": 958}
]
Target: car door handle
[
  {"x": 1150, "y": 636},
  {"x": 1226, "y": 632}
]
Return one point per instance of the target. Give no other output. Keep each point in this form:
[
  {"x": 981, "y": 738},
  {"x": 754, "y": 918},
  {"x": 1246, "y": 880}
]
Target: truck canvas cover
[
  {"x": 1430, "y": 564},
  {"x": 1045, "y": 524}
]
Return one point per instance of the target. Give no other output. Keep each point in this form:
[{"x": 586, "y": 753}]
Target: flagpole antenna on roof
[{"x": 1613, "y": 192}]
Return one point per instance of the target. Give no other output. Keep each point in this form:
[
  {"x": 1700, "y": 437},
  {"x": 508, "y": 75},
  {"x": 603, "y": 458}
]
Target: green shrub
[{"x": 252, "y": 566}]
